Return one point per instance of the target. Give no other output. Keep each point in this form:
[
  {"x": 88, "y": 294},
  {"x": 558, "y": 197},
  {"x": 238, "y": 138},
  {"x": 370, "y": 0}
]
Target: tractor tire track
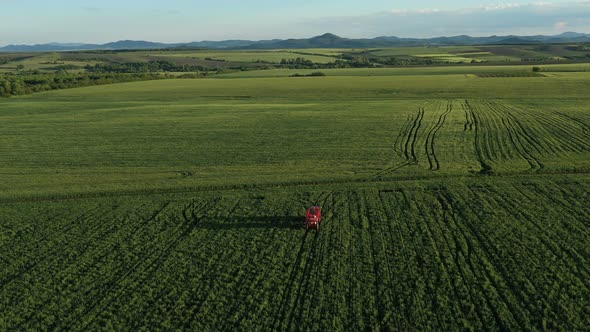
[
  {"x": 398, "y": 145},
  {"x": 378, "y": 208},
  {"x": 437, "y": 246},
  {"x": 389, "y": 170},
  {"x": 567, "y": 200},
  {"x": 519, "y": 147},
  {"x": 60, "y": 229},
  {"x": 499, "y": 147},
  {"x": 409, "y": 137},
  {"x": 420, "y": 117},
  {"x": 105, "y": 251},
  {"x": 155, "y": 257},
  {"x": 553, "y": 247},
  {"x": 395, "y": 228},
  {"x": 47, "y": 218},
  {"x": 88, "y": 247},
  {"x": 448, "y": 203},
  {"x": 567, "y": 130},
  {"x": 218, "y": 233},
  {"x": 407, "y": 148},
  {"x": 508, "y": 295},
  {"x": 408, "y": 206},
  {"x": 322, "y": 265},
  {"x": 585, "y": 127},
  {"x": 430, "y": 140},
  {"x": 304, "y": 282},
  {"x": 285, "y": 310},
  {"x": 531, "y": 141},
  {"x": 468, "y": 125},
  {"x": 103, "y": 302},
  {"x": 486, "y": 168},
  {"x": 369, "y": 253},
  {"x": 533, "y": 194},
  {"x": 383, "y": 273},
  {"x": 557, "y": 132},
  {"x": 352, "y": 299},
  {"x": 450, "y": 218},
  {"x": 36, "y": 261},
  {"x": 309, "y": 286}
]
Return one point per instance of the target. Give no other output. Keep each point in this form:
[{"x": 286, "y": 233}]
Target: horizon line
[{"x": 289, "y": 38}]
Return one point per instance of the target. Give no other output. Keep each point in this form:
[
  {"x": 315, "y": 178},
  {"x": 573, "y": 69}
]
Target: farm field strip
[
  {"x": 397, "y": 255},
  {"x": 250, "y": 56},
  {"x": 478, "y": 136}
]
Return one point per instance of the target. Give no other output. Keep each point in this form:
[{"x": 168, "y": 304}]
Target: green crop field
[
  {"x": 272, "y": 56},
  {"x": 570, "y": 70},
  {"x": 44, "y": 62},
  {"x": 498, "y": 54},
  {"x": 454, "y": 198},
  {"x": 395, "y": 51}
]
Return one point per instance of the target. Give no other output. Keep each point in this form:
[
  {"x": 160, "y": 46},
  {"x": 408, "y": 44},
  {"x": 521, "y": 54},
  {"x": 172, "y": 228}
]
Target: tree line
[
  {"x": 143, "y": 67},
  {"x": 21, "y": 84},
  {"x": 27, "y": 82},
  {"x": 302, "y": 63}
]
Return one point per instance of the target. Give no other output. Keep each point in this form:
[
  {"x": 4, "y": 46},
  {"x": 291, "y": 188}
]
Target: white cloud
[
  {"x": 500, "y": 6},
  {"x": 560, "y": 26},
  {"x": 494, "y": 19},
  {"x": 414, "y": 11}
]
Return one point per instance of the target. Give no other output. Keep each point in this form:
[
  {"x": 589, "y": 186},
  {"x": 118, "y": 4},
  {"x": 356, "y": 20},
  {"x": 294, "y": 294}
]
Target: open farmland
[
  {"x": 46, "y": 62},
  {"x": 487, "y": 53},
  {"x": 213, "y": 61},
  {"x": 271, "y": 56},
  {"x": 452, "y": 201}
]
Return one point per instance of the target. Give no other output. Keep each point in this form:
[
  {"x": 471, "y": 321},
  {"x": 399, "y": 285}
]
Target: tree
[
  {"x": 18, "y": 88},
  {"x": 5, "y": 88},
  {"x": 20, "y": 67}
]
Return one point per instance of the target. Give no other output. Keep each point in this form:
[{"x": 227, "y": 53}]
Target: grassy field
[
  {"x": 546, "y": 70},
  {"x": 452, "y": 201}
]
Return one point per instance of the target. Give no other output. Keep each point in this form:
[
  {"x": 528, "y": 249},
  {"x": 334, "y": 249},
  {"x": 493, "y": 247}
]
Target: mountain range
[{"x": 327, "y": 40}]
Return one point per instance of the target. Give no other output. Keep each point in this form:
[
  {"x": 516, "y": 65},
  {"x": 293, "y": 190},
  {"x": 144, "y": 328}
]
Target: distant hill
[
  {"x": 327, "y": 40},
  {"x": 134, "y": 44}
]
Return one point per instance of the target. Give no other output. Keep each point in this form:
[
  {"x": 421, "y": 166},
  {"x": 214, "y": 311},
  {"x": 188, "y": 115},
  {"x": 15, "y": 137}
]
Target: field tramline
[{"x": 493, "y": 133}]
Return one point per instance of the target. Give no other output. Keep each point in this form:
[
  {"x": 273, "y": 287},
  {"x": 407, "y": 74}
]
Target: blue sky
[{"x": 35, "y": 21}]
